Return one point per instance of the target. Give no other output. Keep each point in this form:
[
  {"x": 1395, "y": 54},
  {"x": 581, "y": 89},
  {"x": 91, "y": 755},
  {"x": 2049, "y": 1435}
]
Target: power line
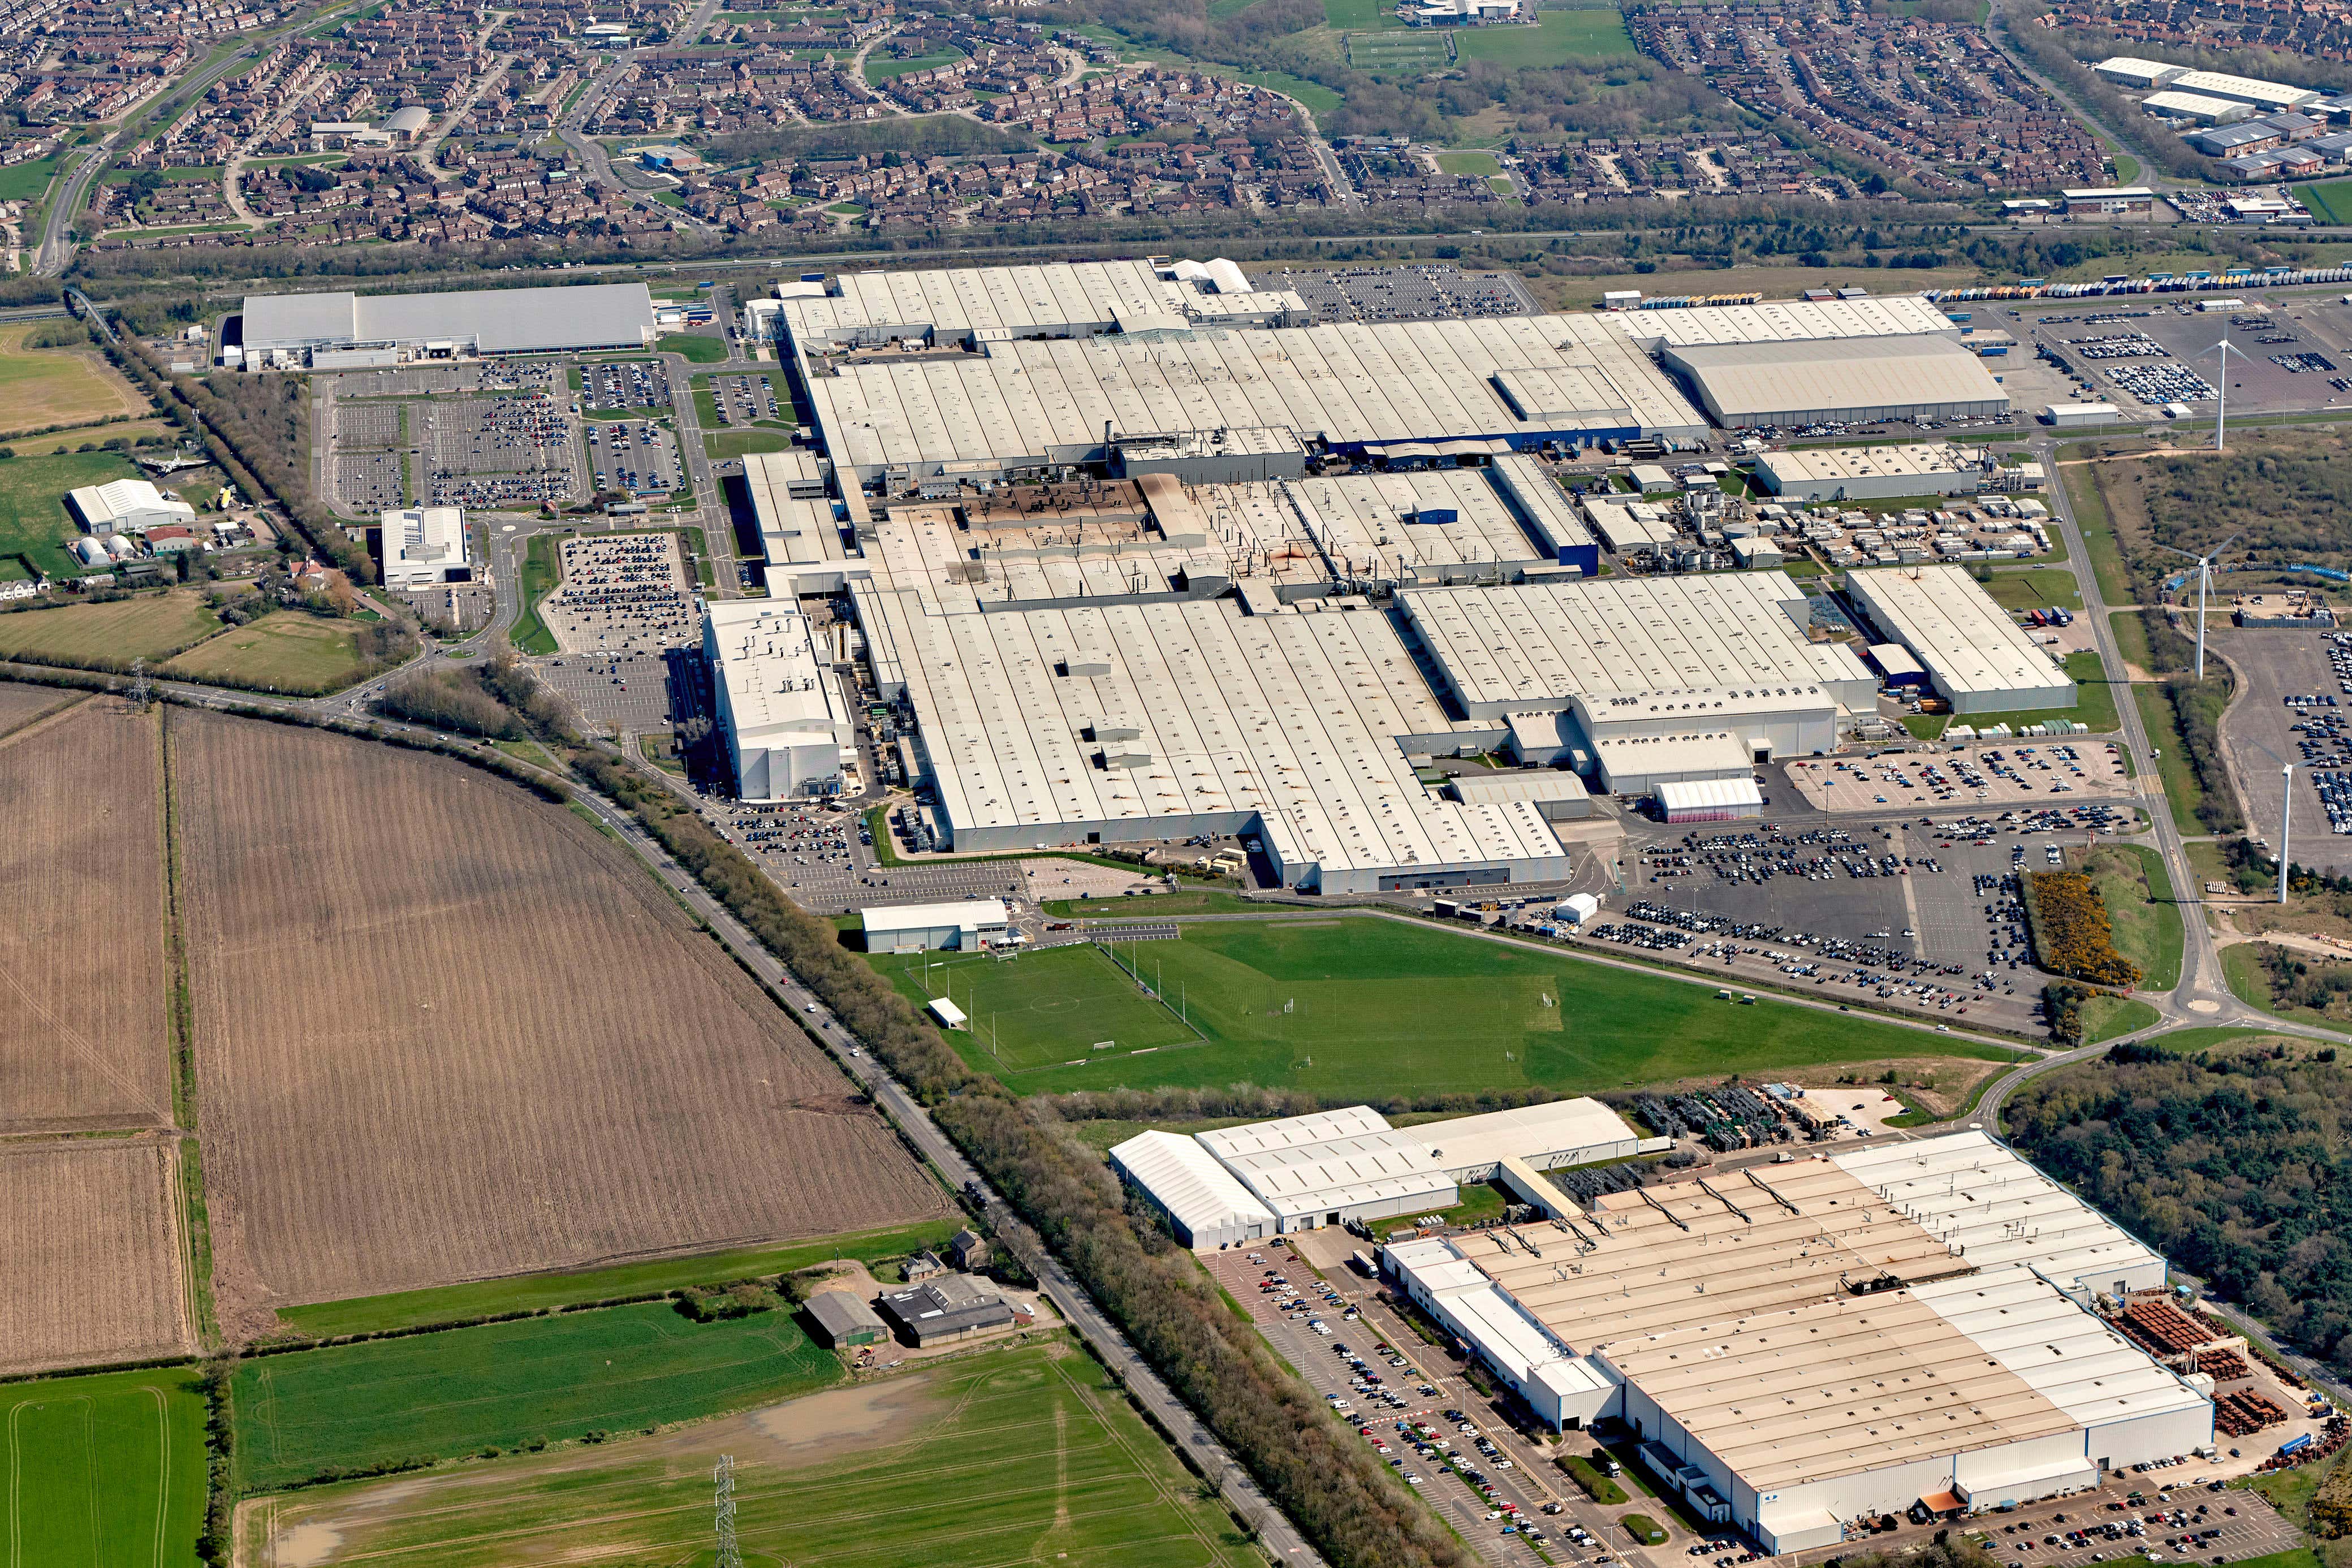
[{"x": 722, "y": 1499}]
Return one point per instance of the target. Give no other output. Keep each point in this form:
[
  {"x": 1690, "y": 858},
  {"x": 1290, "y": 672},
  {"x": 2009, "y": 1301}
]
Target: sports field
[
  {"x": 1558, "y": 39},
  {"x": 105, "y": 1472},
  {"x": 1011, "y": 1456},
  {"x": 1373, "y": 1007},
  {"x": 33, "y": 517},
  {"x": 41, "y": 387},
  {"x": 439, "y": 1396},
  {"x": 1046, "y": 1007},
  {"x": 286, "y": 650},
  {"x": 150, "y": 626}
]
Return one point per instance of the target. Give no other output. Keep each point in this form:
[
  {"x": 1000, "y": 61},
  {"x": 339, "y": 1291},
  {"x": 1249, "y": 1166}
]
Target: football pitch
[
  {"x": 1011, "y": 1456},
  {"x": 1373, "y": 1008},
  {"x": 506, "y": 1385},
  {"x": 105, "y": 1471}
]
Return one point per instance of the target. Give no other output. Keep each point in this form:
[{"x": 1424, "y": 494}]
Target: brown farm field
[
  {"x": 89, "y": 1245},
  {"x": 84, "y": 1037},
  {"x": 20, "y": 704},
  {"x": 446, "y": 1031}
]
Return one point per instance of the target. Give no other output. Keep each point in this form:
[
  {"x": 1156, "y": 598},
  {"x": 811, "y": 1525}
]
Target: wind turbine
[
  {"x": 2204, "y": 581},
  {"x": 2222, "y": 420}
]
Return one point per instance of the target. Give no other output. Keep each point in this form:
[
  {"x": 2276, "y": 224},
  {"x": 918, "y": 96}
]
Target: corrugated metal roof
[
  {"x": 496, "y": 320},
  {"x": 1967, "y": 642},
  {"x": 1187, "y": 1181},
  {"x": 1706, "y": 794},
  {"x": 1823, "y": 378}
]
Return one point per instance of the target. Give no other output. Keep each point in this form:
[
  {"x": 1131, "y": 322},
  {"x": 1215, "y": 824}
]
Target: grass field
[
  {"x": 105, "y": 1472},
  {"x": 696, "y": 348},
  {"x": 540, "y": 575},
  {"x": 1558, "y": 38},
  {"x": 724, "y": 444},
  {"x": 150, "y": 626},
  {"x": 40, "y": 387},
  {"x": 1469, "y": 163},
  {"x": 24, "y": 182},
  {"x": 1371, "y": 1007},
  {"x": 1361, "y": 16},
  {"x": 2142, "y": 909},
  {"x": 1017, "y": 1456},
  {"x": 2098, "y": 532},
  {"x": 1043, "y": 1007},
  {"x": 880, "y": 69},
  {"x": 2037, "y": 590},
  {"x": 284, "y": 651},
  {"x": 2182, "y": 793},
  {"x": 2104, "y": 1018},
  {"x": 33, "y": 517},
  {"x": 2330, "y": 203},
  {"x": 440, "y": 1396},
  {"x": 538, "y": 1293}
]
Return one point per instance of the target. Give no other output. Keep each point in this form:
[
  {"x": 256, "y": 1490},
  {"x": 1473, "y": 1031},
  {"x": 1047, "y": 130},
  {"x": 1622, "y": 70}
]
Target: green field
[
  {"x": 150, "y": 626},
  {"x": 106, "y": 1471},
  {"x": 1044, "y": 1009},
  {"x": 1558, "y": 38},
  {"x": 1414, "y": 51},
  {"x": 24, "y": 182},
  {"x": 880, "y": 69},
  {"x": 440, "y": 1396},
  {"x": 722, "y": 444},
  {"x": 538, "y": 1293},
  {"x": 2041, "y": 589},
  {"x": 1373, "y": 1007},
  {"x": 2182, "y": 793},
  {"x": 1013, "y": 1457},
  {"x": 284, "y": 651},
  {"x": 540, "y": 574},
  {"x": 2095, "y": 700},
  {"x": 2082, "y": 483},
  {"x": 1361, "y": 16},
  {"x": 2104, "y": 1018},
  {"x": 1469, "y": 163},
  {"x": 698, "y": 348},
  {"x": 2330, "y": 203},
  {"x": 2142, "y": 909},
  {"x": 33, "y": 517}
]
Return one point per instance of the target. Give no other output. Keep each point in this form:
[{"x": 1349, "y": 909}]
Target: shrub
[
  {"x": 1644, "y": 1528},
  {"x": 2071, "y": 935},
  {"x": 1597, "y": 1487}
]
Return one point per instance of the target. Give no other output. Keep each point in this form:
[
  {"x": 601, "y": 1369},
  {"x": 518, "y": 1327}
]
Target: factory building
[
  {"x": 346, "y": 331},
  {"x": 1238, "y": 1185},
  {"x": 2125, "y": 70},
  {"x": 1870, "y": 473},
  {"x": 966, "y": 927},
  {"x": 2267, "y": 96},
  {"x": 1946, "y": 1274},
  {"x": 424, "y": 545},
  {"x": 788, "y": 727},
  {"x": 128, "y": 506},
  {"x": 1840, "y": 380},
  {"x": 1974, "y": 653},
  {"x": 1785, "y": 321}
]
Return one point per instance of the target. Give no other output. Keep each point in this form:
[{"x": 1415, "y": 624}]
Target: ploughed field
[{"x": 444, "y": 1031}]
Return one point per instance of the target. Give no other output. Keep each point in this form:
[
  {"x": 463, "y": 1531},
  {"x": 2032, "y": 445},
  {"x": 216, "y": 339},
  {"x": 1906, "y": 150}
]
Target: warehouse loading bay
[{"x": 1290, "y": 1286}]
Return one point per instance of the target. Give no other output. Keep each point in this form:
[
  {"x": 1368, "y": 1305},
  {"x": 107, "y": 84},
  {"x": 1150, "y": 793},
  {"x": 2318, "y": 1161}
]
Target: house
[
  {"x": 924, "y": 1266},
  {"x": 970, "y": 1250}
]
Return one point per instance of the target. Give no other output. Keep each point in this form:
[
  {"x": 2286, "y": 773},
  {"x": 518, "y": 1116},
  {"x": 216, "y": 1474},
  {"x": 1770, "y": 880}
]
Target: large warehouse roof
[
  {"x": 779, "y": 690},
  {"x": 1559, "y": 1131},
  {"x": 1838, "y": 380},
  {"x": 1428, "y": 525},
  {"x": 1516, "y": 649},
  {"x": 1305, "y": 1166},
  {"x": 1975, "y": 654},
  {"x": 1203, "y": 1196},
  {"x": 488, "y": 320},
  {"x": 1376, "y": 386},
  {"x": 1784, "y": 321},
  {"x": 953, "y": 305}
]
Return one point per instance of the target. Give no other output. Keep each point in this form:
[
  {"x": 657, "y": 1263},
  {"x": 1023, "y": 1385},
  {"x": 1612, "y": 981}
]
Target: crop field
[
  {"x": 149, "y": 626},
  {"x": 504, "y": 1385},
  {"x": 84, "y": 1040},
  {"x": 21, "y": 705},
  {"x": 33, "y": 521},
  {"x": 284, "y": 651},
  {"x": 105, "y": 1472},
  {"x": 1012, "y": 1457},
  {"x": 532, "y": 1062},
  {"x": 41, "y": 387},
  {"x": 90, "y": 1245},
  {"x": 1371, "y": 1007},
  {"x": 1043, "y": 1007}
]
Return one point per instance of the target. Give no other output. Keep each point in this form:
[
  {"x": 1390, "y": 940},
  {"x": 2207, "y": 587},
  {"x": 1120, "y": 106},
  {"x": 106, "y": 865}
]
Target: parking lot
[
  {"x": 2190, "y": 1523},
  {"x": 634, "y": 455},
  {"x": 741, "y": 400},
  {"x": 624, "y": 383},
  {"x": 622, "y": 594},
  {"x": 2266, "y": 330},
  {"x": 631, "y": 690},
  {"x": 2259, "y": 734},
  {"x": 504, "y": 451},
  {"x": 1997, "y": 775}
]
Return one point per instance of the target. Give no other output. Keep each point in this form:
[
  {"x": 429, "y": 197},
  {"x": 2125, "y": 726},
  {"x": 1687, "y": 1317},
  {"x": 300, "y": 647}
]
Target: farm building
[
  {"x": 128, "y": 506},
  {"x": 384, "y": 329},
  {"x": 1973, "y": 652},
  {"x": 1837, "y": 381},
  {"x": 1947, "y": 1271},
  {"x": 423, "y": 546},
  {"x": 944, "y": 1308},
  {"x": 1237, "y": 1185},
  {"x": 842, "y": 1319},
  {"x": 966, "y": 927},
  {"x": 787, "y": 726}
]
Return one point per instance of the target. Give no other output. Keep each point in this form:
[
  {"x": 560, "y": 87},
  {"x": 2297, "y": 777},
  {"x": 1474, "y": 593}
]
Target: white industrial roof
[
  {"x": 1995, "y": 1209},
  {"x": 1187, "y": 1181},
  {"x": 1714, "y": 751},
  {"x": 1289, "y": 716},
  {"x": 1628, "y": 523},
  {"x": 100, "y": 505},
  {"x": 1920, "y": 459},
  {"x": 1509, "y": 1337},
  {"x": 2247, "y": 90},
  {"x": 1829, "y": 377},
  {"x": 1555, "y": 1128},
  {"x": 421, "y": 540},
  {"x": 780, "y": 691},
  {"x": 1969, "y": 643},
  {"x": 1709, "y": 794},
  {"x": 958, "y": 303},
  {"x": 1376, "y": 385},
  {"x": 1525, "y": 784},
  {"x": 494, "y": 320},
  {"x": 1783, "y": 321},
  {"x": 2063, "y": 1352},
  {"x": 1514, "y": 649},
  {"x": 2196, "y": 104},
  {"x": 1331, "y": 1160},
  {"x": 968, "y": 914},
  {"x": 1378, "y": 524}
]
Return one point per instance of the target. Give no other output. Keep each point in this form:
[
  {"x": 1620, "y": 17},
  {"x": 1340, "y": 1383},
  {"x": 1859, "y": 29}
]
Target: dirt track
[
  {"x": 90, "y": 1250},
  {"x": 83, "y": 1028},
  {"x": 446, "y": 1031}
]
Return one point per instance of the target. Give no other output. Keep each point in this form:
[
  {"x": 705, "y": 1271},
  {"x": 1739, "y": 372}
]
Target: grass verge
[{"x": 540, "y": 576}]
